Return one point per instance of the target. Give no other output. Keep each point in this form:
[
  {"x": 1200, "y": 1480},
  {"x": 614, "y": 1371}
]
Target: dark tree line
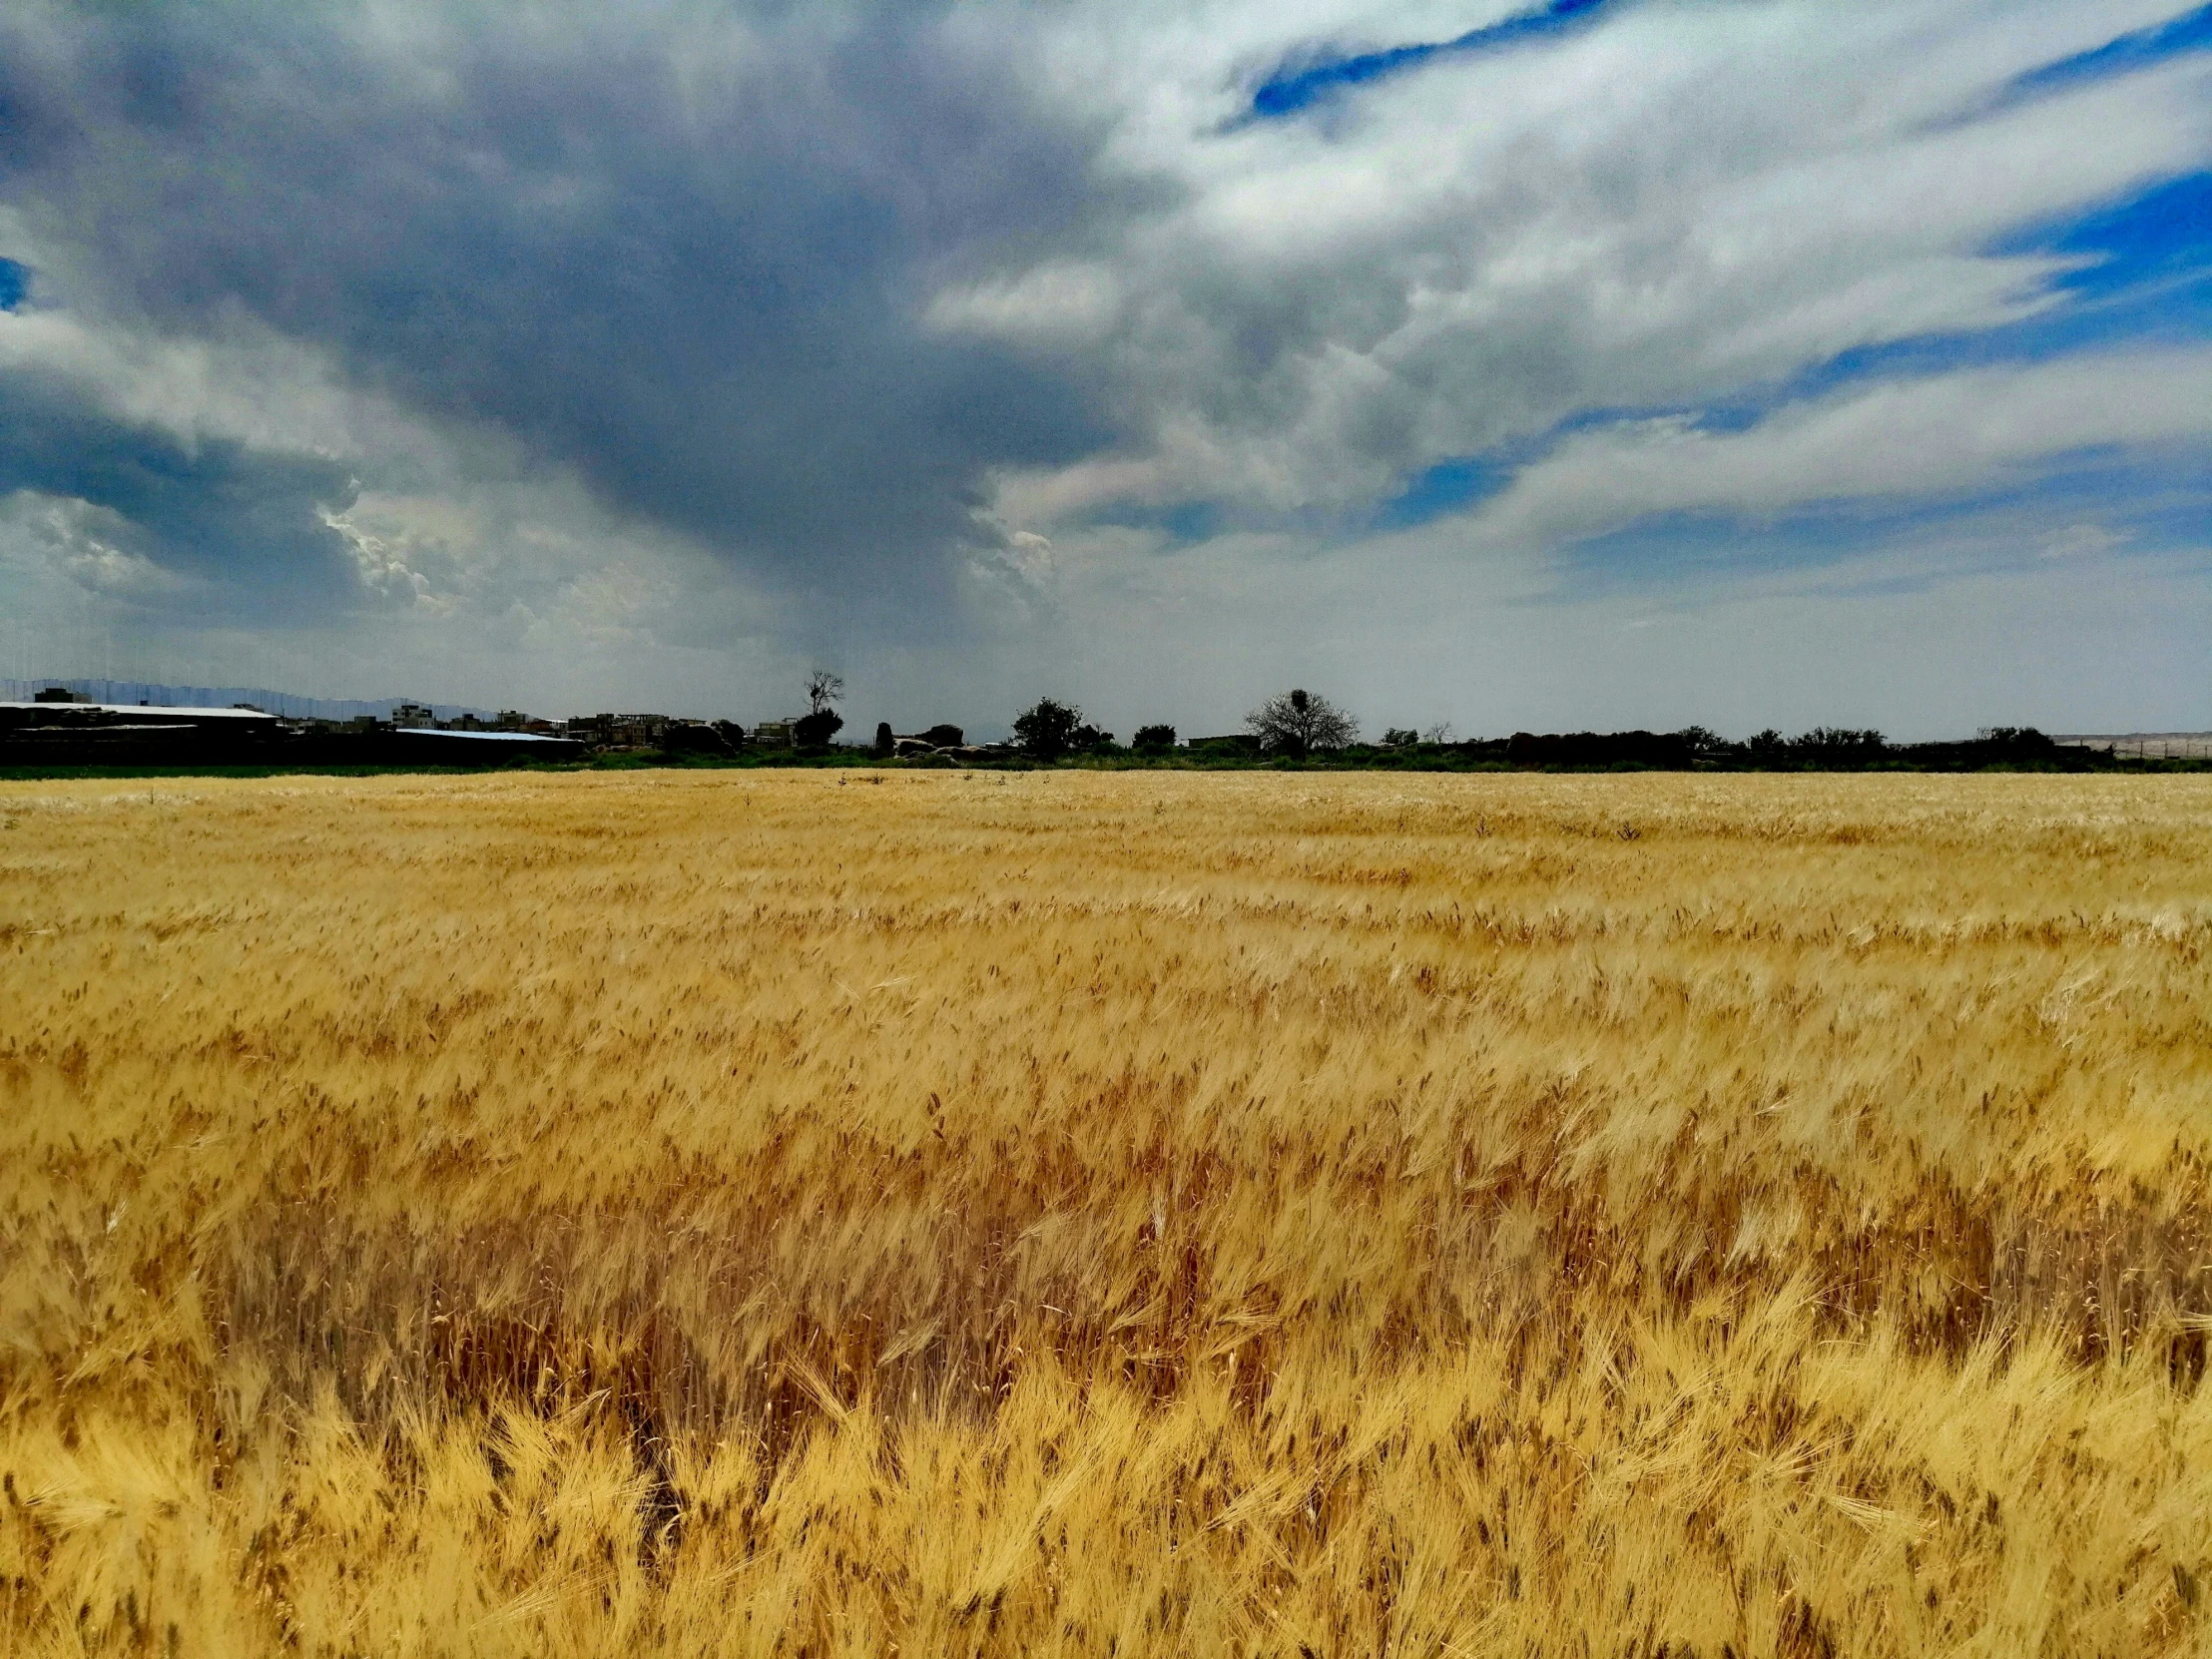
[{"x": 1302, "y": 724}]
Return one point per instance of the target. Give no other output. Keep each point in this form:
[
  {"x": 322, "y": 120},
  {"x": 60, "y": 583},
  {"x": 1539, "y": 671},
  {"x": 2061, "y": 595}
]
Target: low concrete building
[
  {"x": 79, "y": 732},
  {"x": 2143, "y": 746}
]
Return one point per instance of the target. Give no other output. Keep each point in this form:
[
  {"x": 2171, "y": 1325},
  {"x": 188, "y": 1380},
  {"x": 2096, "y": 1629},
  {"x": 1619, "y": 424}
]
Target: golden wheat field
[{"x": 1148, "y": 1213}]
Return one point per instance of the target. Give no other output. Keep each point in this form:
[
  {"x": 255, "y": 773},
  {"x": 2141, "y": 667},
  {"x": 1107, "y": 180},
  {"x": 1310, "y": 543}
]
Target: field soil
[{"x": 1146, "y": 1212}]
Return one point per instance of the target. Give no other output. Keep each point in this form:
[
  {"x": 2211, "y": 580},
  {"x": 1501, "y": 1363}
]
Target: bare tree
[
  {"x": 822, "y": 689},
  {"x": 1297, "y": 723}
]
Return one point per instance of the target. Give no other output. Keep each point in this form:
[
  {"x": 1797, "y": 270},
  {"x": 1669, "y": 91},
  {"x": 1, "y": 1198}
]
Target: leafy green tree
[
  {"x": 815, "y": 729},
  {"x": 1400, "y": 737},
  {"x": 1154, "y": 738},
  {"x": 1047, "y": 731},
  {"x": 2017, "y": 740},
  {"x": 1839, "y": 745}
]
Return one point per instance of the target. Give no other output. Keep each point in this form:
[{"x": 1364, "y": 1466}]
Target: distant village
[
  {"x": 58, "y": 724},
  {"x": 66, "y": 727},
  {"x": 612, "y": 733}
]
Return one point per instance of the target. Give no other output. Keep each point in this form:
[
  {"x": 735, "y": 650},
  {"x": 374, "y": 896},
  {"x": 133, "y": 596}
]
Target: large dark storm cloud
[
  {"x": 212, "y": 511},
  {"x": 680, "y": 252}
]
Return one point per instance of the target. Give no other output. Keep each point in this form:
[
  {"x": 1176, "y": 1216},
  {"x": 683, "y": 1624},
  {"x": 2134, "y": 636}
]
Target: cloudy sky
[{"x": 1599, "y": 363}]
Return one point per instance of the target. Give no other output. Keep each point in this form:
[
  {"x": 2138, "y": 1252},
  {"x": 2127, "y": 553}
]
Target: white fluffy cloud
[
  {"x": 1685, "y": 202},
  {"x": 1926, "y": 437}
]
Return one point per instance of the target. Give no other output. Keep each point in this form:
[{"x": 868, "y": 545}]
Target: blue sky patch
[
  {"x": 2191, "y": 32},
  {"x": 1448, "y": 487},
  {"x": 2160, "y": 236},
  {"x": 15, "y": 283},
  {"x": 1298, "y": 83}
]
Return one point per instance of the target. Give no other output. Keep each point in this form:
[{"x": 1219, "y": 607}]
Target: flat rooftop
[{"x": 140, "y": 709}]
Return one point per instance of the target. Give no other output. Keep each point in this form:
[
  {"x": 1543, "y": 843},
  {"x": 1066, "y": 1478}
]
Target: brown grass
[{"x": 1132, "y": 1214}]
